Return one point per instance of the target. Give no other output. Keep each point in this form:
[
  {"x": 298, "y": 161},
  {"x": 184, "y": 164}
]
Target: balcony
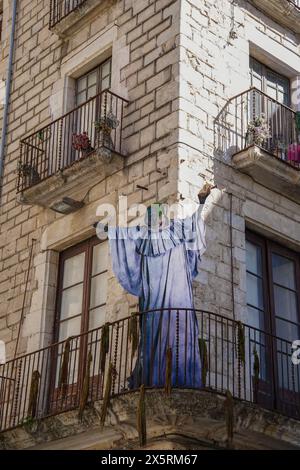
[
  {"x": 73, "y": 152},
  {"x": 261, "y": 138},
  {"x": 285, "y": 12},
  {"x": 158, "y": 349},
  {"x": 65, "y": 14}
]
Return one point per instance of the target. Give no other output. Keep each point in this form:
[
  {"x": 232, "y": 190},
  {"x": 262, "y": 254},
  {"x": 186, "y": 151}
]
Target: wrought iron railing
[
  {"x": 295, "y": 2},
  {"x": 60, "y": 9},
  {"x": 254, "y": 118},
  {"x": 159, "y": 349},
  {"x": 94, "y": 125}
]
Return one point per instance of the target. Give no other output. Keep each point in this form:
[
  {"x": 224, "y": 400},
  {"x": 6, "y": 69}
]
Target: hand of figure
[{"x": 205, "y": 192}]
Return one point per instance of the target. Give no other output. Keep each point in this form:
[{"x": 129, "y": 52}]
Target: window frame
[
  {"x": 268, "y": 247},
  {"x": 270, "y": 392},
  {"x": 86, "y": 247},
  {"x": 98, "y": 69},
  {"x": 265, "y": 69}
]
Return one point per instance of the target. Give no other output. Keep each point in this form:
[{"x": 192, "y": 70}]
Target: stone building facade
[{"x": 179, "y": 64}]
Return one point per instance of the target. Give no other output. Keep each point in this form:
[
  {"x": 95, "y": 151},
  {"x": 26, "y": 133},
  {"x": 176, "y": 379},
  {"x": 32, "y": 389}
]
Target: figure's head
[{"x": 154, "y": 216}]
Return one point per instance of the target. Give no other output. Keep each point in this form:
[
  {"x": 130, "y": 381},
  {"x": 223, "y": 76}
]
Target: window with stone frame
[
  {"x": 80, "y": 308},
  {"x": 273, "y": 302},
  {"x": 82, "y": 288}
]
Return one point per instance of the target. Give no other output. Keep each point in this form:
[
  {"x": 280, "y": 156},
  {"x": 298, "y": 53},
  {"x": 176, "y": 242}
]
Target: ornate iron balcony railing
[
  {"x": 296, "y": 2},
  {"x": 175, "y": 348},
  {"x": 91, "y": 126},
  {"x": 60, "y": 9},
  {"x": 254, "y": 118}
]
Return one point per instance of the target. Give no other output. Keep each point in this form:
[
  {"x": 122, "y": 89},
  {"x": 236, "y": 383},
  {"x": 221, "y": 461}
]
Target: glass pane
[
  {"x": 81, "y": 98},
  {"x": 81, "y": 84},
  {"x": 105, "y": 83},
  {"x": 92, "y": 91},
  {"x": 100, "y": 258},
  {"x": 69, "y": 328},
  {"x": 92, "y": 78},
  {"x": 283, "y": 271},
  {"x": 286, "y": 330},
  {"x": 256, "y": 318},
  {"x": 257, "y": 83},
  {"x": 73, "y": 270},
  {"x": 71, "y": 302},
  {"x": 98, "y": 290},
  {"x": 272, "y": 92},
  {"x": 106, "y": 68},
  {"x": 97, "y": 317},
  {"x": 253, "y": 258},
  {"x": 255, "y": 291},
  {"x": 285, "y": 303},
  {"x": 256, "y": 66}
]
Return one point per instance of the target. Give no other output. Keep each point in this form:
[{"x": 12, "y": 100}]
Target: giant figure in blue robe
[{"x": 158, "y": 266}]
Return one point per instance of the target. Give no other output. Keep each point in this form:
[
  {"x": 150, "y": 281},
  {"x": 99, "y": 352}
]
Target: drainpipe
[{"x": 8, "y": 89}]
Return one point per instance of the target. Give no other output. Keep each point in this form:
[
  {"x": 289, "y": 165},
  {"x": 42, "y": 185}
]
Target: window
[
  {"x": 82, "y": 289},
  {"x": 93, "y": 82},
  {"x": 81, "y": 301},
  {"x": 273, "y": 300},
  {"x": 275, "y": 85}
]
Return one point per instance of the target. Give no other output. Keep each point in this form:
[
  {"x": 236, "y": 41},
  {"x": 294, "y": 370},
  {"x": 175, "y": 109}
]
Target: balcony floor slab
[
  {"x": 270, "y": 171},
  {"x": 74, "y": 180},
  {"x": 187, "y": 419}
]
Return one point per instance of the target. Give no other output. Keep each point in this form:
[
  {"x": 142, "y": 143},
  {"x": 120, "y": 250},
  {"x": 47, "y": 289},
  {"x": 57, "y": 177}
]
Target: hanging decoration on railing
[
  {"x": 204, "y": 360},
  {"x": 168, "y": 384},
  {"x": 64, "y": 370},
  {"x": 256, "y": 372},
  {"x": 85, "y": 387},
  {"x": 104, "y": 346},
  {"x": 33, "y": 395},
  {"x": 107, "y": 394},
  {"x": 241, "y": 345},
  {"x": 133, "y": 332},
  {"x": 141, "y": 418}
]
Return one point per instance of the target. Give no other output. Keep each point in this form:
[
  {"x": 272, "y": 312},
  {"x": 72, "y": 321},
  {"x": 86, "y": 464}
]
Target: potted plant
[
  {"x": 104, "y": 127},
  {"x": 82, "y": 143},
  {"x": 29, "y": 174},
  {"x": 258, "y": 131}
]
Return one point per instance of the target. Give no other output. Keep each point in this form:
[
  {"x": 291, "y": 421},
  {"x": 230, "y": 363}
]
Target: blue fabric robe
[{"x": 159, "y": 267}]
